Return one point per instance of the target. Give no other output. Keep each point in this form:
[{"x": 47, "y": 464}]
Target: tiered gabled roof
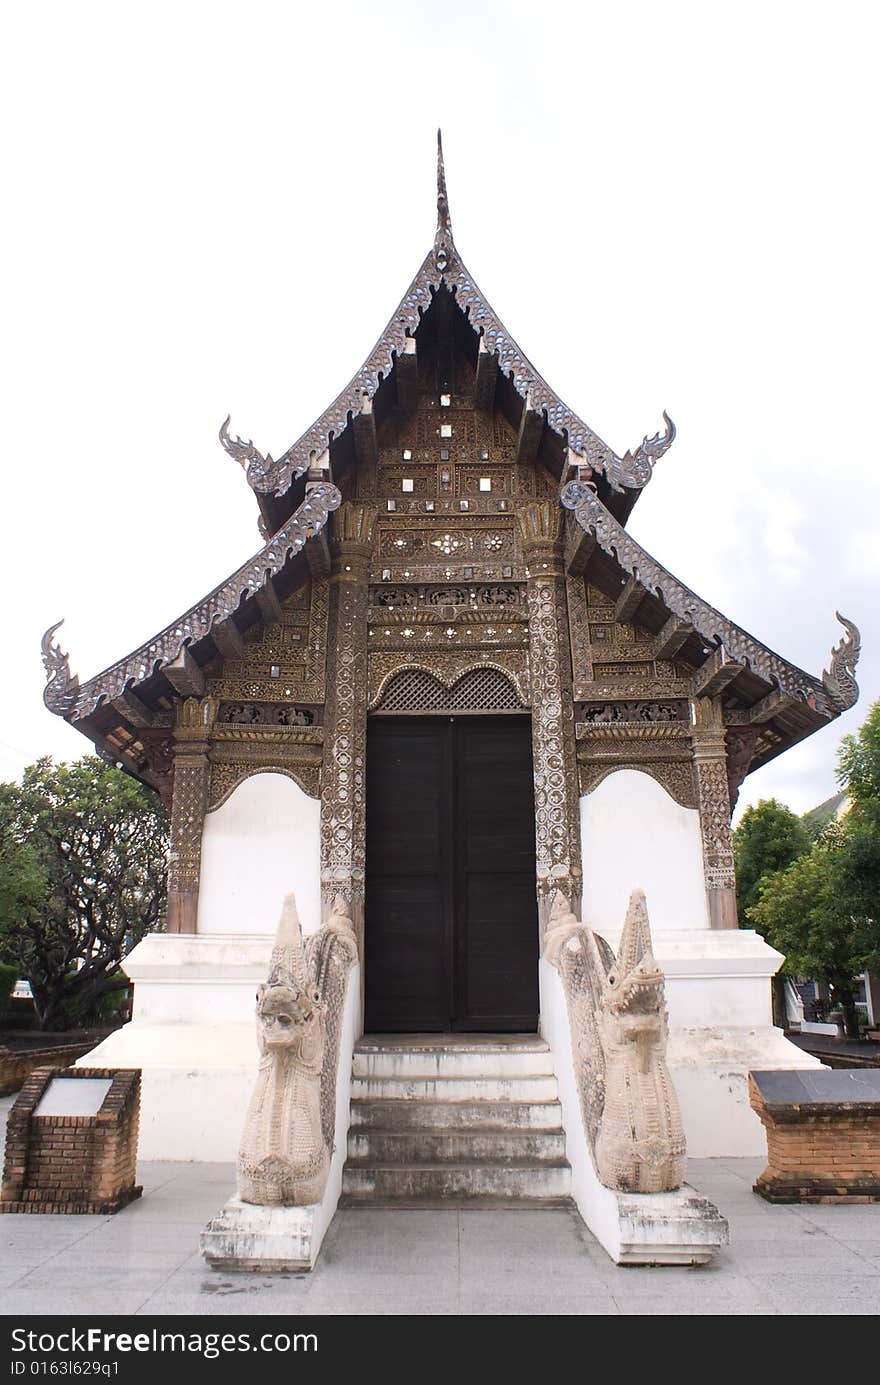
[
  {"x": 130, "y": 701},
  {"x": 557, "y": 433}
]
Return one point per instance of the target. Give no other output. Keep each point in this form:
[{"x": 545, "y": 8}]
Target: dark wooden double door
[{"x": 451, "y": 931}]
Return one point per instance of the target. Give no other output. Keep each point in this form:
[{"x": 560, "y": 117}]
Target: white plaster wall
[
  {"x": 633, "y": 834},
  {"x": 263, "y": 842}
]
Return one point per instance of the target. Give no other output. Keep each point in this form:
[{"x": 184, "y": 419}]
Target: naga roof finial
[
  {"x": 255, "y": 466},
  {"x": 638, "y": 465},
  {"x": 443, "y": 238},
  {"x": 839, "y": 680},
  {"x": 62, "y": 688}
]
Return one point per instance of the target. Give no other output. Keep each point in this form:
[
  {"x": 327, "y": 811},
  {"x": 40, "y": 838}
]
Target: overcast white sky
[{"x": 215, "y": 207}]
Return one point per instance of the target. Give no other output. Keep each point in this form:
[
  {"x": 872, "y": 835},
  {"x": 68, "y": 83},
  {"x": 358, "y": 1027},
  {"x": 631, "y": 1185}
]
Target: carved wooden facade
[{"x": 426, "y": 549}]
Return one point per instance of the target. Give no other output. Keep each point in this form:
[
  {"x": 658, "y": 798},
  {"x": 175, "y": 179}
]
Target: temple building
[{"x": 447, "y": 690}]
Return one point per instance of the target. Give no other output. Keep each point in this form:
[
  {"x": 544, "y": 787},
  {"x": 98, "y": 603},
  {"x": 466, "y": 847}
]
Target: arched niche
[
  {"x": 633, "y": 833},
  {"x": 262, "y": 842}
]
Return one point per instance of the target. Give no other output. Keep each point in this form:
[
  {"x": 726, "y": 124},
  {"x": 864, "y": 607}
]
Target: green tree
[
  {"x": 82, "y": 878},
  {"x": 823, "y": 910},
  {"x": 858, "y": 761},
  {"x": 808, "y": 912},
  {"x": 23, "y": 881},
  {"x": 769, "y": 838}
]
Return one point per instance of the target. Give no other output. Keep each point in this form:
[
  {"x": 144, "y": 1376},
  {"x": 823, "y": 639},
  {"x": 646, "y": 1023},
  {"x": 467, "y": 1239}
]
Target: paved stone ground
[{"x": 790, "y": 1260}]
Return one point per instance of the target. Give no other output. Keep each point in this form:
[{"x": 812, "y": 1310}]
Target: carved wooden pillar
[
  {"x": 557, "y": 823},
  {"x": 710, "y": 762},
  {"x": 343, "y": 789},
  {"x": 189, "y": 801}
]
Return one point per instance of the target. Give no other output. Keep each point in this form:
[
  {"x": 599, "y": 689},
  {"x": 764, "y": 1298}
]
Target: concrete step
[
  {"x": 470, "y": 1182},
  {"x": 458, "y": 1061},
  {"x": 413, "y": 1147},
  {"x": 455, "y": 1120},
  {"x": 452, "y": 1043},
  {"x": 460, "y": 1115},
  {"x": 491, "y": 1086}
]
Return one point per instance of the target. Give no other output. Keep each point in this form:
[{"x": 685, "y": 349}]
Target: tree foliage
[
  {"x": 769, "y": 838},
  {"x": 858, "y": 761},
  {"x": 82, "y": 878},
  {"x": 808, "y": 912},
  {"x": 823, "y": 909}
]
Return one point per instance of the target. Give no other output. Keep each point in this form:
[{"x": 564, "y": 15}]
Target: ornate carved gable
[{"x": 443, "y": 287}]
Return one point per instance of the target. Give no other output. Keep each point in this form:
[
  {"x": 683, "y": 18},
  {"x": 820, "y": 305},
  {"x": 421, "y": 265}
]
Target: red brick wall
[
  {"x": 811, "y": 1157},
  {"x": 72, "y": 1163}
]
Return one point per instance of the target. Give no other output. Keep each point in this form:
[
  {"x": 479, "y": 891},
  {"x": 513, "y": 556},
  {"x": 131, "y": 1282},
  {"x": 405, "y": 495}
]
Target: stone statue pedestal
[{"x": 269, "y": 1239}]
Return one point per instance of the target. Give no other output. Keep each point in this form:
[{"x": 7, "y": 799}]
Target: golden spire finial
[{"x": 443, "y": 221}]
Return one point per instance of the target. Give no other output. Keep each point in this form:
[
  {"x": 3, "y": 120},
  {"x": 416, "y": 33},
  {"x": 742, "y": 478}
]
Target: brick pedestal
[
  {"x": 823, "y": 1135},
  {"x": 73, "y": 1163}
]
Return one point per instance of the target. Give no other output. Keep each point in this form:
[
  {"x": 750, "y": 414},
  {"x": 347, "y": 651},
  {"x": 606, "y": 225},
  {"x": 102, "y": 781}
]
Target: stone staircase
[{"x": 455, "y": 1120}]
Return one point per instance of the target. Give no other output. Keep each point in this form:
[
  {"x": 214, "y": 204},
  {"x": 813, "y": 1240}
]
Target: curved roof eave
[
  {"x": 833, "y": 694},
  {"x": 66, "y": 698}
]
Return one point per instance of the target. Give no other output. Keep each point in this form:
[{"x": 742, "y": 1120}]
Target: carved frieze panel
[
  {"x": 471, "y": 480},
  {"x": 409, "y": 480},
  {"x": 406, "y": 505},
  {"x": 660, "y": 748},
  {"x": 393, "y": 598},
  {"x": 451, "y": 547},
  {"x": 676, "y": 710},
  {"x": 265, "y": 714},
  {"x": 287, "y": 662},
  {"x": 434, "y": 544},
  {"x": 429, "y": 636},
  {"x": 633, "y": 669},
  {"x": 495, "y": 596},
  {"x": 239, "y": 749},
  {"x": 607, "y": 633},
  {"x": 643, "y": 733},
  {"x": 481, "y": 596},
  {"x": 639, "y": 688}
]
